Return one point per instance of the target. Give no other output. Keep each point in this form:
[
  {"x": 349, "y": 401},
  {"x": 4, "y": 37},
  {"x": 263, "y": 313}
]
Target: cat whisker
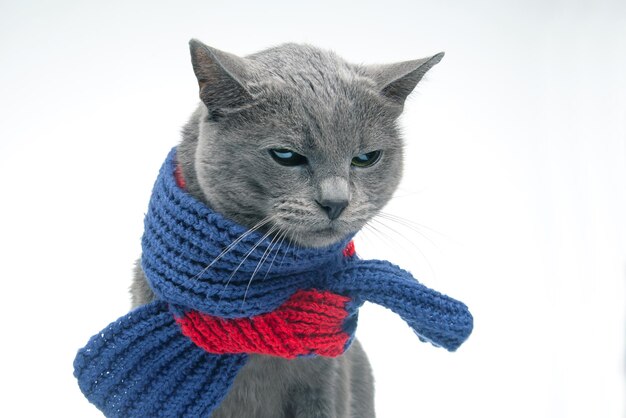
[
  {"x": 232, "y": 245},
  {"x": 406, "y": 193},
  {"x": 254, "y": 247},
  {"x": 380, "y": 234},
  {"x": 417, "y": 227},
  {"x": 394, "y": 230},
  {"x": 264, "y": 257},
  {"x": 430, "y": 267},
  {"x": 289, "y": 244},
  {"x": 281, "y": 235}
]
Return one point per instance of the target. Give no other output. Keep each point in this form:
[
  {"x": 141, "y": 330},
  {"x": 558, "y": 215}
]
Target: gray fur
[{"x": 310, "y": 101}]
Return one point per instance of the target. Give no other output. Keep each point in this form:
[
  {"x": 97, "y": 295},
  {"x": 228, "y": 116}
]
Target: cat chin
[{"x": 318, "y": 239}]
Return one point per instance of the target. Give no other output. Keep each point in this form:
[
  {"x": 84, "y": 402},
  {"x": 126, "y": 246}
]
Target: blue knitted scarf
[{"x": 156, "y": 361}]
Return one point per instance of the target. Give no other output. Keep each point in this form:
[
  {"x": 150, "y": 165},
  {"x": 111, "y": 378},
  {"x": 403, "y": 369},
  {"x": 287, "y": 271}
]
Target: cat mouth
[
  {"x": 325, "y": 230},
  {"x": 318, "y": 234},
  {"x": 332, "y": 228},
  {"x": 325, "y": 235}
]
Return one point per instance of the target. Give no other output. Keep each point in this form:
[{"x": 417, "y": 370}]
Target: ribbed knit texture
[
  {"x": 310, "y": 322},
  {"x": 178, "y": 356},
  {"x": 143, "y": 366}
]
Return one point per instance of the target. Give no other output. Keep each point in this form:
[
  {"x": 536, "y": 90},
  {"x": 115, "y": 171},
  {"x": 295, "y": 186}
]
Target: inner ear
[
  {"x": 397, "y": 81},
  {"x": 220, "y": 78}
]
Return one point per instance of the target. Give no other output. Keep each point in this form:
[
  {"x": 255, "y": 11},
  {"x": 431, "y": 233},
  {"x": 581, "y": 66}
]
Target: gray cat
[{"x": 297, "y": 142}]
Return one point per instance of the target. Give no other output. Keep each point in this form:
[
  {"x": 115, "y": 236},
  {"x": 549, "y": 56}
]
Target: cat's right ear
[
  {"x": 220, "y": 78},
  {"x": 396, "y": 81}
]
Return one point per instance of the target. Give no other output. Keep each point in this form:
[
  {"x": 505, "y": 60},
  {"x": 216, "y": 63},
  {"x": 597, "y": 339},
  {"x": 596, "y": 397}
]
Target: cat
[{"x": 304, "y": 146}]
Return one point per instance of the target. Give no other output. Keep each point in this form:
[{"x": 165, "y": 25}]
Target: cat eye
[
  {"x": 287, "y": 157},
  {"x": 366, "y": 160}
]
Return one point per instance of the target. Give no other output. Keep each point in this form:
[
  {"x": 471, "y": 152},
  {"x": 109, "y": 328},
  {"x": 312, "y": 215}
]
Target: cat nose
[
  {"x": 333, "y": 208},
  {"x": 334, "y": 196}
]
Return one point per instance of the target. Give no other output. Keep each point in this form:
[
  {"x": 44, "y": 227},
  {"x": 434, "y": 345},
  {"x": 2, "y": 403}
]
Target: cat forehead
[
  {"x": 311, "y": 117},
  {"x": 306, "y": 67},
  {"x": 310, "y": 83},
  {"x": 310, "y": 99},
  {"x": 292, "y": 57}
]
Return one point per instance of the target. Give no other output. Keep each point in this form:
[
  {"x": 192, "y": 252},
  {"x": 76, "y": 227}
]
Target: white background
[{"x": 515, "y": 167}]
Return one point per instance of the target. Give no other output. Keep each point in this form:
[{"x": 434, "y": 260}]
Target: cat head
[{"x": 296, "y": 141}]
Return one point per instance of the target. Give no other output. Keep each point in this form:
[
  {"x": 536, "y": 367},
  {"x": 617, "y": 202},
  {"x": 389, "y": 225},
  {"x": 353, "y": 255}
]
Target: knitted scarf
[{"x": 224, "y": 292}]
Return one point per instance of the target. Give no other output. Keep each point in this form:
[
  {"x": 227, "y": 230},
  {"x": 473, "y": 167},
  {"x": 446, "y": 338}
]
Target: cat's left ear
[{"x": 397, "y": 81}]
